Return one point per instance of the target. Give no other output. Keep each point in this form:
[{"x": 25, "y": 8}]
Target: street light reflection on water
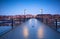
[
  {"x": 33, "y": 22},
  {"x": 25, "y": 32},
  {"x": 40, "y": 32}
]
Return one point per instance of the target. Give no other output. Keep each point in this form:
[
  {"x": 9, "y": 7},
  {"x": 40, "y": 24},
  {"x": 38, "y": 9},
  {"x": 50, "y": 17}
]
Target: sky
[{"x": 17, "y": 7}]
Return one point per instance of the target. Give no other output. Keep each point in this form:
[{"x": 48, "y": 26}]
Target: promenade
[{"x": 32, "y": 29}]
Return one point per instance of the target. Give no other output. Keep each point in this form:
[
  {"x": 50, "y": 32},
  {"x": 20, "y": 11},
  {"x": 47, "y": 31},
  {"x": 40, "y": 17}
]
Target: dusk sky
[{"x": 16, "y": 7}]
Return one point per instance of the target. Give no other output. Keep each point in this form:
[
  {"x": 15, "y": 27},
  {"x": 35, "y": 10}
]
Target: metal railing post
[
  {"x": 12, "y": 23},
  {"x": 56, "y": 23}
]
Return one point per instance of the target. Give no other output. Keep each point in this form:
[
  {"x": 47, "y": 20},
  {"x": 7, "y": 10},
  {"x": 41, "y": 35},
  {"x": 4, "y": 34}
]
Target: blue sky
[{"x": 16, "y": 7}]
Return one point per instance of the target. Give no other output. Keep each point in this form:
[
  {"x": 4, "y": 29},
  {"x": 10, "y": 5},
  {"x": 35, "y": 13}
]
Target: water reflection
[
  {"x": 36, "y": 22},
  {"x": 30, "y": 21},
  {"x": 40, "y": 32},
  {"x": 25, "y": 32},
  {"x": 33, "y": 22}
]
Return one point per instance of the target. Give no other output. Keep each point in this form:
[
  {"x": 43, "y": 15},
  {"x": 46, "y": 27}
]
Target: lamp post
[
  {"x": 24, "y": 13},
  {"x": 41, "y": 10}
]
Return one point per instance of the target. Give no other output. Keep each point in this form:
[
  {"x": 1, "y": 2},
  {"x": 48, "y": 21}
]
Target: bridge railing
[
  {"x": 53, "y": 23},
  {"x": 6, "y": 25}
]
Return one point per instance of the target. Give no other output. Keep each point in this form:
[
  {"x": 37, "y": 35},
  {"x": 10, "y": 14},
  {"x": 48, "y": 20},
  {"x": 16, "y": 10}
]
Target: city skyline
[{"x": 17, "y": 7}]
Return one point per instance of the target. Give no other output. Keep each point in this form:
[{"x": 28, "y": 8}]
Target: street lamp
[
  {"x": 24, "y": 13},
  {"x": 41, "y": 10}
]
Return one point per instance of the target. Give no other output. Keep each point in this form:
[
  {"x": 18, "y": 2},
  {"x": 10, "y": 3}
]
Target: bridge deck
[{"x": 32, "y": 29}]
